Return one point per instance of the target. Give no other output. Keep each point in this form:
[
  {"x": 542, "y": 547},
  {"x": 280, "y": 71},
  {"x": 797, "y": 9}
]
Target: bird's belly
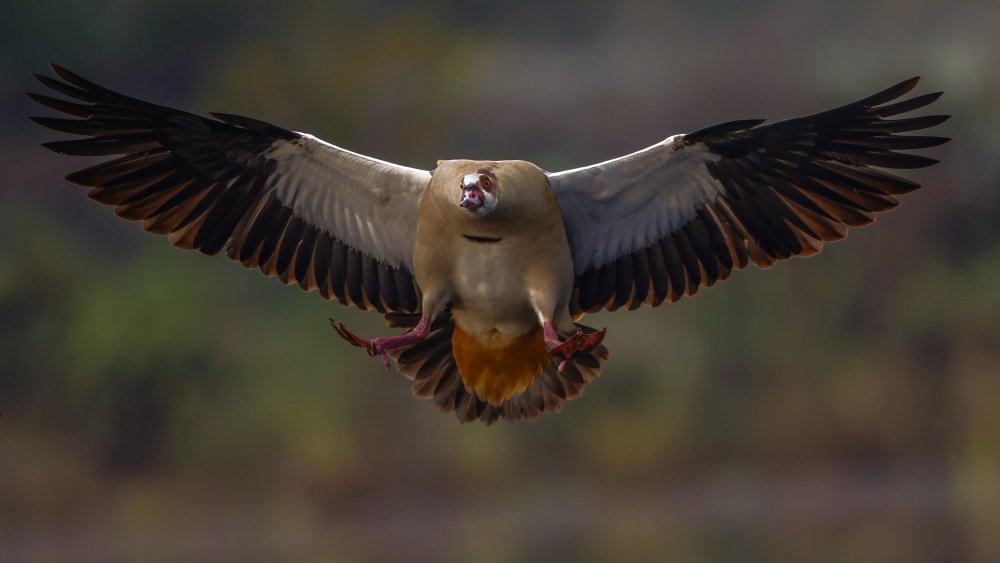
[{"x": 489, "y": 298}]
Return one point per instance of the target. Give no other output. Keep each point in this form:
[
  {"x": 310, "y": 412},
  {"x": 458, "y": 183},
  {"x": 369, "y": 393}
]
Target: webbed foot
[{"x": 564, "y": 350}]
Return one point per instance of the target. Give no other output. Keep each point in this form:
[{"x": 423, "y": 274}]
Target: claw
[{"x": 354, "y": 339}]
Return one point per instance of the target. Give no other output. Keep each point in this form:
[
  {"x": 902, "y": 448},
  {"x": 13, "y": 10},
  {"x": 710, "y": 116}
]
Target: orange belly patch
[{"x": 498, "y": 367}]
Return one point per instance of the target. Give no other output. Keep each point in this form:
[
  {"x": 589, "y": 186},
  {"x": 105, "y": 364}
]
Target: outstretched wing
[
  {"x": 657, "y": 224},
  {"x": 285, "y": 202}
]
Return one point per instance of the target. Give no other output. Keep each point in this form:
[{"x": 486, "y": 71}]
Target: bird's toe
[
  {"x": 359, "y": 341},
  {"x": 589, "y": 341},
  {"x": 565, "y": 349}
]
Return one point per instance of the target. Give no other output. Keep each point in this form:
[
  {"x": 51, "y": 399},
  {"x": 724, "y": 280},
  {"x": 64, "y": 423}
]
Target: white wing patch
[
  {"x": 619, "y": 206},
  {"x": 369, "y": 204}
]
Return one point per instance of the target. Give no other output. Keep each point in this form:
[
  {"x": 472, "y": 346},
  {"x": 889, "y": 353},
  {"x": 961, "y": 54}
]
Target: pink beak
[{"x": 472, "y": 198}]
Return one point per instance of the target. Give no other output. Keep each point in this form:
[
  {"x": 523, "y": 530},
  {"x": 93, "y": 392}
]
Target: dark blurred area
[{"x": 163, "y": 406}]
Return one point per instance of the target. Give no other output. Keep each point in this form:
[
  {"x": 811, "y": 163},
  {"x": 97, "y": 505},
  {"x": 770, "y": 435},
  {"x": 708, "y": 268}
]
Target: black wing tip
[
  {"x": 69, "y": 76},
  {"x": 935, "y": 120},
  {"x": 39, "y": 120},
  {"x": 59, "y": 71},
  {"x": 935, "y": 141},
  {"x": 54, "y": 146},
  {"x": 69, "y": 83},
  {"x": 47, "y": 80},
  {"x": 76, "y": 87},
  {"x": 75, "y": 179},
  {"x": 889, "y": 94},
  {"x": 932, "y": 96},
  {"x": 903, "y": 87},
  {"x": 908, "y": 84}
]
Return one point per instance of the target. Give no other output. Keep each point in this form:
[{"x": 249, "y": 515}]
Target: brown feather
[{"x": 499, "y": 367}]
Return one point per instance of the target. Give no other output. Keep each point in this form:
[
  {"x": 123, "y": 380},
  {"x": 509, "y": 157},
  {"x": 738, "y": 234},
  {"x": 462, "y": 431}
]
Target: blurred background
[{"x": 164, "y": 406}]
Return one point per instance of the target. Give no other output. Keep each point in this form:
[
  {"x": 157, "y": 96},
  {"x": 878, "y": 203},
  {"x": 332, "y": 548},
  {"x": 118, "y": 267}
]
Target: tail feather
[{"x": 431, "y": 366}]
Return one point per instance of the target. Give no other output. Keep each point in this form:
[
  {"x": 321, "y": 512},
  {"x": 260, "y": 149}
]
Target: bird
[{"x": 490, "y": 265}]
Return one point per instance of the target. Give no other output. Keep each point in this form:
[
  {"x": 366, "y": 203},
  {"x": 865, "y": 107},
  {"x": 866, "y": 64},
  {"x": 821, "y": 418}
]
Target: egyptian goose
[{"x": 489, "y": 264}]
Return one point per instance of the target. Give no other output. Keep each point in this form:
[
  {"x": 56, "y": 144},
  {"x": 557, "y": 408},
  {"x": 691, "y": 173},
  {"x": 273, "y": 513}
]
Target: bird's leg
[
  {"x": 433, "y": 301},
  {"x": 382, "y": 345},
  {"x": 555, "y": 319}
]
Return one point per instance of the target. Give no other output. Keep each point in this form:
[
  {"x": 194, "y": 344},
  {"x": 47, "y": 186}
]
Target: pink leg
[
  {"x": 552, "y": 340},
  {"x": 382, "y": 344}
]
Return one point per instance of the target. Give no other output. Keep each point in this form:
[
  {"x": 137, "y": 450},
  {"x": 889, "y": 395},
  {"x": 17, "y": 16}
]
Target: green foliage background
[{"x": 163, "y": 406}]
